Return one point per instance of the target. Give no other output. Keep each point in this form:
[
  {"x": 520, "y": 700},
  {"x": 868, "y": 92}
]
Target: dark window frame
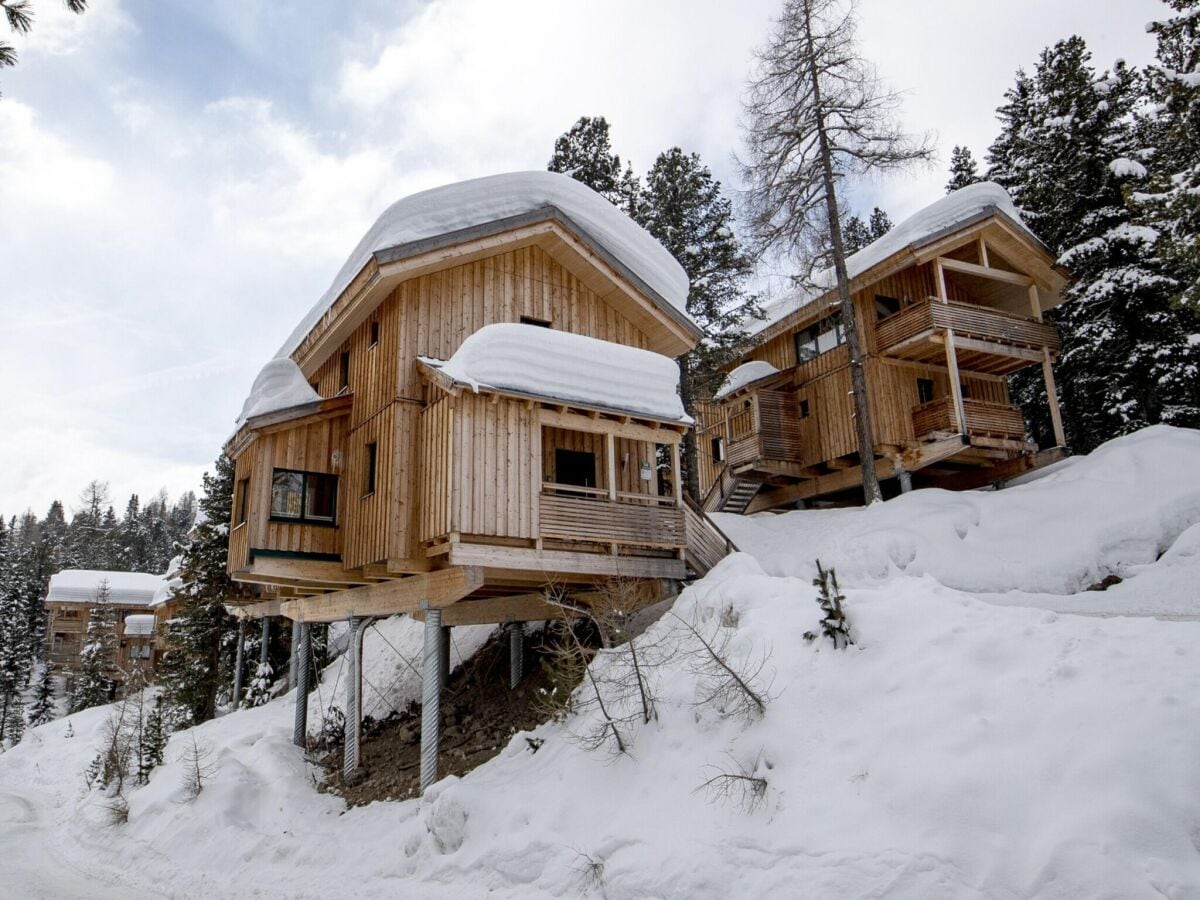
[
  {"x": 540, "y": 323},
  {"x": 304, "y": 518},
  {"x": 344, "y": 372},
  {"x": 718, "y": 450},
  {"x": 805, "y": 410},
  {"x": 374, "y": 334},
  {"x": 925, "y": 390},
  {"x": 372, "y": 449},
  {"x": 884, "y": 304},
  {"x": 810, "y": 337},
  {"x": 241, "y": 502}
]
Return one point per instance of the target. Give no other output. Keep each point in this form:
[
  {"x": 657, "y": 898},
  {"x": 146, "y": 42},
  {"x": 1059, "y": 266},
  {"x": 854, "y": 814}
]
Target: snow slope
[{"x": 959, "y": 749}]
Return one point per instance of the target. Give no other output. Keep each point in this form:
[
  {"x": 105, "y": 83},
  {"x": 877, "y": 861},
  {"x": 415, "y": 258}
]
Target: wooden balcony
[
  {"x": 569, "y": 513},
  {"x": 986, "y": 340},
  {"x": 768, "y": 430},
  {"x": 984, "y": 420}
]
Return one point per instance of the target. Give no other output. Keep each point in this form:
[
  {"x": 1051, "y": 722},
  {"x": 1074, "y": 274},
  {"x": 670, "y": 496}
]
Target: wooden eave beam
[
  {"x": 403, "y": 595},
  {"x": 969, "y": 268},
  {"x": 656, "y": 432}
]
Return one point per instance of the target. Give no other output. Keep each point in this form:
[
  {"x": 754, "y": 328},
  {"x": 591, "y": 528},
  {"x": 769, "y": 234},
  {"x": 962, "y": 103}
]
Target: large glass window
[
  {"x": 819, "y": 338},
  {"x": 303, "y": 496}
]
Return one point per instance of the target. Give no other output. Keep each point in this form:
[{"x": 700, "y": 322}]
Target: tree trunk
[{"x": 858, "y": 381}]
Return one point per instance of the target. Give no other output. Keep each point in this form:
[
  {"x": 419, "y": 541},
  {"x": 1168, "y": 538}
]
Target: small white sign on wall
[{"x": 646, "y": 471}]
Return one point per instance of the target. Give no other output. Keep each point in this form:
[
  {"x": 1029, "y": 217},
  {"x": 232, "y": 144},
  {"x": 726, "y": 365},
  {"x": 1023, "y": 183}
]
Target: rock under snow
[
  {"x": 280, "y": 385},
  {"x": 950, "y": 212},
  {"x": 745, "y": 374},
  {"x": 468, "y": 204},
  {"x": 542, "y": 362}
]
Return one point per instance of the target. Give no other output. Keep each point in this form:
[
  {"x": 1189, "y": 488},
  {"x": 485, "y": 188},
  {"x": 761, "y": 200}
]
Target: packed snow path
[{"x": 959, "y": 749}]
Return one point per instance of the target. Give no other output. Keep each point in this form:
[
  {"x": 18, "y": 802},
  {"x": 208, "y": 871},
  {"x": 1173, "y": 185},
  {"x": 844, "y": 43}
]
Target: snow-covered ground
[{"x": 972, "y": 743}]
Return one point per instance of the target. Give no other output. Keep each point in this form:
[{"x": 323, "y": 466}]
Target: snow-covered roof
[
  {"x": 280, "y": 385},
  {"x": 139, "y": 625},
  {"x": 951, "y": 212},
  {"x": 170, "y": 581},
  {"x": 743, "y": 375},
  {"x": 558, "y": 365},
  {"x": 124, "y": 588},
  {"x": 455, "y": 208}
]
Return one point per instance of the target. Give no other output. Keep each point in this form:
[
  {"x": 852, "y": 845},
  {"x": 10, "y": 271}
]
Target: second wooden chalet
[
  {"x": 483, "y": 405},
  {"x": 948, "y": 304}
]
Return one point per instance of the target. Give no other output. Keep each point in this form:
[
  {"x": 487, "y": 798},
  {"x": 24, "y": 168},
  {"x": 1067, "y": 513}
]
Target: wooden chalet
[
  {"x": 483, "y": 404},
  {"x": 948, "y": 304}
]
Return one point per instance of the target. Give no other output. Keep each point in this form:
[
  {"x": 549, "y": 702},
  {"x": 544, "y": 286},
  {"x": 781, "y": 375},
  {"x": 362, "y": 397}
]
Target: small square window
[
  {"x": 530, "y": 320},
  {"x": 303, "y": 496},
  {"x": 804, "y": 409},
  {"x": 718, "y": 450},
  {"x": 924, "y": 390}
]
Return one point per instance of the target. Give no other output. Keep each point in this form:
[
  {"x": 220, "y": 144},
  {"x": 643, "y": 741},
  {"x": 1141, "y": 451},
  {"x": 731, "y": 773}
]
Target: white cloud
[{"x": 39, "y": 168}]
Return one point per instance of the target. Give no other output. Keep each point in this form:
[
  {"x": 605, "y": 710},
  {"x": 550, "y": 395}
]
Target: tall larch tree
[
  {"x": 193, "y": 667},
  {"x": 816, "y": 115},
  {"x": 684, "y": 207}
]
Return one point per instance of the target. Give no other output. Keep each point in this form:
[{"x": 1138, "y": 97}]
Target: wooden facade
[
  {"x": 432, "y": 477},
  {"x": 942, "y": 326}
]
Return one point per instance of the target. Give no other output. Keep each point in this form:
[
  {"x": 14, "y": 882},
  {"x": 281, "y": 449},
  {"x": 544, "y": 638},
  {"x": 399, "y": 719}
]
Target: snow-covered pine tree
[
  {"x": 964, "y": 171},
  {"x": 98, "y": 658},
  {"x": 86, "y": 541},
  {"x": 152, "y": 743},
  {"x": 858, "y": 234},
  {"x": 42, "y": 706},
  {"x": 684, "y": 208},
  {"x": 193, "y": 667},
  {"x": 585, "y": 153},
  {"x": 259, "y": 691},
  {"x": 130, "y": 538},
  {"x": 880, "y": 224},
  {"x": 817, "y": 114},
  {"x": 13, "y": 654}
]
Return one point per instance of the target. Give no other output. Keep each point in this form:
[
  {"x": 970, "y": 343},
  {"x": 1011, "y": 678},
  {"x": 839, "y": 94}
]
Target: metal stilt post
[
  {"x": 240, "y": 664},
  {"x": 263, "y": 653},
  {"x": 295, "y": 654},
  {"x": 430, "y": 696},
  {"x": 303, "y": 656},
  {"x": 353, "y": 697},
  {"x": 444, "y": 667},
  {"x": 905, "y": 481},
  {"x": 516, "y": 653}
]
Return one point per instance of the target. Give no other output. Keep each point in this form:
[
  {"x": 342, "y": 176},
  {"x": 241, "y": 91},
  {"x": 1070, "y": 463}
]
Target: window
[
  {"x": 575, "y": 467},
  {"x": 885, "y": 306},
  {"x": 69, "y": 614},
  {"x": 804, "y": 409},
  {"x": 718, "y": 450},
  {"x": 303, "y": 496},
  {"x": 241, "y": 498},
  {"x": 530, "y": 320},
  {"x": 372, "y": 455},
  {"x": 819, "y": 338},
  {"x": 924, "y": 390},
  {"x": 344, "y": 382},
  {"x": 139, "y": 651},
  {"x": 374, "y": 332}
]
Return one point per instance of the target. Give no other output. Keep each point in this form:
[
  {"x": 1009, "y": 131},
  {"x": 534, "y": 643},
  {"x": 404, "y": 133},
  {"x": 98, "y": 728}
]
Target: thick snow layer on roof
[
  {"x": 280, "y": 385},
  {"x": 469, "y": 204},
  {"x": 950, "y": 212},
  {"x": 140, "y": 625},
  {"x": 125, "y": 588},
  {"x": 542, "y": 362},
  {"x": 743, "y": 375}
]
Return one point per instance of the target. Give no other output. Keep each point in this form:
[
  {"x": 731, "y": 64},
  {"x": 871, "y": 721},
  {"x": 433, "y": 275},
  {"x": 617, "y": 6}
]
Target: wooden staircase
[
  {"x": 707, "y": 544},
  {"x": 740, "y": 496}
]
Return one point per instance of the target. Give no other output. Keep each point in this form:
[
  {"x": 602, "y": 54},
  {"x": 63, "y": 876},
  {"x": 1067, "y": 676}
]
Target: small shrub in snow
[
  {"x": 726, "y": 683},
  {"x": 834, "y": 625},
  {"x": 332, "y": 732},
  {"x": 198, "y": 766},
  {"x": 744, "y": 786},
  {"x": 259, "y": 691},
  {"x": 590, "y": 872}
]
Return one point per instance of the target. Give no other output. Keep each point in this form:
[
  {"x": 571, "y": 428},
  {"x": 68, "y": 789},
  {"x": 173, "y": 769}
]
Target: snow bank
[
  {"x": 1103, "y": 514},
  {"x": 469, "y": 204},
  {"x": 280, "y": 385},
  {"x": 950, "y": 212},
  {"x": 80, "y": 586},
  {"x": 571, "y": 367},
  {"x": 746, "y": 373}
]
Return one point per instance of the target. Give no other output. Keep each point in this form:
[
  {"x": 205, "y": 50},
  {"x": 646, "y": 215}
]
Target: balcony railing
[
  {"x": 905, "y": 328},
  {"x": 569, "y": 513},
  {"x": 993, "y": 420},
  {"x": 769, "y": 429}
]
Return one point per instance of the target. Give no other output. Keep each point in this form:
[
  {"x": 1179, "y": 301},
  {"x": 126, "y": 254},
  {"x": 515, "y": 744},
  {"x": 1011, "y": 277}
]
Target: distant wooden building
[
  {"x": 948, "y": 304},
  {"x": 69, "y": 602}
]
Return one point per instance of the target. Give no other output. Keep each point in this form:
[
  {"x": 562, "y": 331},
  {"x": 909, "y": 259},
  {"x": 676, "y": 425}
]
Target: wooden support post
[
  {"x": 940, "y": 280},
  {"x": 676, "y": 474},
  {"x": 240, "y": 664},
  {"x": 1060, "y": 437},
  {"x": 610, "y": 451},
  {"x": 1035, "y": 305},
  {"x": 960, "y": 414},
  {"x": 983, "y": 254},
  {"x": 302, "y": 654},
  {"x": 430, "y": 696},
  {"x": 353, "y": 733}
]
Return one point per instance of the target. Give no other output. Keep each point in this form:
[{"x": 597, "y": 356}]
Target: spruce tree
[
  {"x": 192, "y": 668},
  {"x": 964, "y": 171},
  {"x": 585, "y": 153},
  {"x": 42, "y": 709},
  {"x": 98, "y": 659},
  {"x": 858, "y": 234},
  {"x": 684, "y": 208}
]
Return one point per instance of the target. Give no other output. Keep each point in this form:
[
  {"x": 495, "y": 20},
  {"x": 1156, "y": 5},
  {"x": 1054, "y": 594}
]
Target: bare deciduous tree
[
  {"x": 741, "y": 785},
  {"x": 198, "y": 765},
  {"x": 733, "y": 688},
  {"x": 816, "y": 114}
]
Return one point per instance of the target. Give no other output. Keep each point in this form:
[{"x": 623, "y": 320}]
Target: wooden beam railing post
[
  {"x": 676, "y": 480},
  {"x": 610, "y": 451},
  {"x": 1060, "y": 436},
  {"x": 960, "y": 414}
]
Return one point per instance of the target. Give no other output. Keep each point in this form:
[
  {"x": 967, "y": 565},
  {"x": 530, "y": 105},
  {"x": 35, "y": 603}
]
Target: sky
[{"x": 180, "y": 181}]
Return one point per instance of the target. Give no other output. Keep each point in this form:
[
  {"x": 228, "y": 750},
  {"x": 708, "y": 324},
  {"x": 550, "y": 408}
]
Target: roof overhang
[
  {"x": 670, "y": 331},
  {"x": 284, "y": 419}
]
